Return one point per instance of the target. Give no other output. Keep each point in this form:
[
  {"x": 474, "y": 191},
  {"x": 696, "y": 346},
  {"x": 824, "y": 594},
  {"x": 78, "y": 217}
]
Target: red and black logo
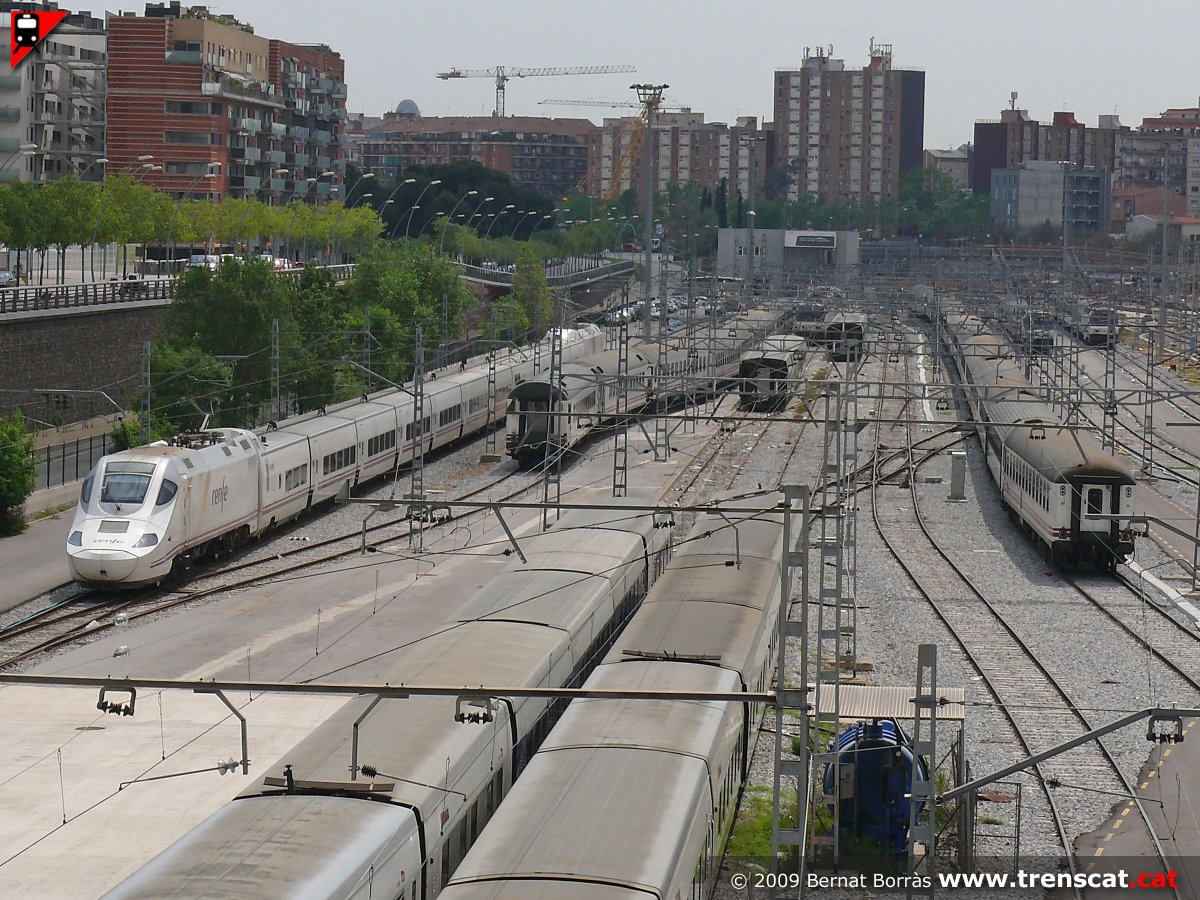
[{"x": 31, "y": 28}]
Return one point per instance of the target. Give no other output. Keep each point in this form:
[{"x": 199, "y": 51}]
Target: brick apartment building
[
  {"x": 548, "y": 155},
  {"x": 189, "y": 88},
  {"x": 684, "y": 148},
  {"x": 1017, "y": 138},
  {"x": 851, "y": 133}
]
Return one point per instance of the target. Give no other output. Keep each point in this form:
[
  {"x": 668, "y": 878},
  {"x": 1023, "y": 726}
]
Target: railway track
[
  {"x": 1038, "y": 709},
  {"x": 49, "y": 636},
  {"x": 1145, "y": 623}
]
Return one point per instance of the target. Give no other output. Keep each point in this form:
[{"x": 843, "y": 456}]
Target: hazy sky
[{"x": 1094, "y": 57}]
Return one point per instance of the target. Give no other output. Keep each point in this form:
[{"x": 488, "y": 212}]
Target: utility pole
[
  {"x": 1166, "y": 224},
  {"x": 751, "y": 142},
  {"x": 650, "y": 95},
  {"x": 417, "y": 491},
  {"x": 146, "y": 390},
  {"x": 275, "y": 369}
]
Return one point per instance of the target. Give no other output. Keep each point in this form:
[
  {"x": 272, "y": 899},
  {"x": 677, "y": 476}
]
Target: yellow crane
[
  {"x": 632, "y": 147},
  {"x": 502, "y": 73}
]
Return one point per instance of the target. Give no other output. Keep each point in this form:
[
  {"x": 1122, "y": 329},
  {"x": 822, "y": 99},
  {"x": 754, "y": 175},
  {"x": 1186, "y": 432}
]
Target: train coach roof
[
  {"x": 1061, "y": 454},
  {"x": 261, "y": 847},
  {"x": 553, "y": 599},
  {"x": 537, "y": 888},
  {"x": 563, "y": 819},
  {"x": 690, "y": 727}
]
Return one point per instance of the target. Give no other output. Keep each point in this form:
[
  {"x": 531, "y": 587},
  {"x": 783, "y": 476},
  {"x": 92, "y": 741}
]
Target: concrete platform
[{"x": 267, "y": 633}]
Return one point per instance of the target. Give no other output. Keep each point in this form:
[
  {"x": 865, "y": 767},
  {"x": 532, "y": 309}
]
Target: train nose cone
[{"x": 103, "y": 565}]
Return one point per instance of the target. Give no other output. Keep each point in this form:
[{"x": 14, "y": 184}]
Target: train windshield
[{"x": 126, "y": 482}]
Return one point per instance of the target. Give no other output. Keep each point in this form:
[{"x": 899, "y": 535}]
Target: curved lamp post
[
  {"x": 415, "y": 207},
  {"x": 105, "y": 194},
  {"x": 210, "y": 172},
  {"x": 442, "y": 241},
  {"x": 249, "y": 203},
  {"x": 488, "y": 233}
]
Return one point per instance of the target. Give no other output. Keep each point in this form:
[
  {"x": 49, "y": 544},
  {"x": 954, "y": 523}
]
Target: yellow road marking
[
  {"x": 1125, "y": 811},
  {"x": 1117, "y": 824},
  {"x": 1099, "y": 851},
  {"x": 1108, "y": 837},
  {"x": 1166, "y": 753}
]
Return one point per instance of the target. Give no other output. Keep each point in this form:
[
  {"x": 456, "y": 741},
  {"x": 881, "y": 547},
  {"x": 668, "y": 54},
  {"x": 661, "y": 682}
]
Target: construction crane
[
  {"x": 503, "y": 73},
  {"x": 632, "y": 147}
]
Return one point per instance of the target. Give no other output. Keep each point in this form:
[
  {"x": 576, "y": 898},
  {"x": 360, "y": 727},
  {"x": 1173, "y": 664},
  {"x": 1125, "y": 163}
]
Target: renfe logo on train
[
  {"x": 28, "y": 29},
  {"x": 220, "y": 495}
]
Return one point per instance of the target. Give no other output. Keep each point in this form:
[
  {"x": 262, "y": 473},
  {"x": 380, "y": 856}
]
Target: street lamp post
[
  {"x": 395, "y": 191},
  {"x": 454, "y": 209},
  {"x": 251, "y": 201},
  {"x": 521, "y": 221},
  {"x": 105, "y": 193},
  {"x": 209, "y": 172},
  {"x": 488, "y": 233},
  {"x": 414, "y": 208}
]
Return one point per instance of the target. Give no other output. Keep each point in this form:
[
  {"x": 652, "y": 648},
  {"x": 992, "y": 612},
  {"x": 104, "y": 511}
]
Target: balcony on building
[
  {"x": 299, "y": 132},
  {"x": 321, "y": 138},
  {"x": 184, "y": 57},
  {"x": 246, "y": 154},
  {"x": 245, "y": 182},
  {"x": 300, "y": 160},
  {"x": 278, "y": 129},
  {"x": 276, "y": 157},
  {"x": 10, "y": 82},
  {"x": 249, "y": 124}
]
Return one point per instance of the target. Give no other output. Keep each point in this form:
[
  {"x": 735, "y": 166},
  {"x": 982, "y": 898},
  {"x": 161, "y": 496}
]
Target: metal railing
[
  {"x": 63, "y": 463},
  {"x": 35, "y": 298}
]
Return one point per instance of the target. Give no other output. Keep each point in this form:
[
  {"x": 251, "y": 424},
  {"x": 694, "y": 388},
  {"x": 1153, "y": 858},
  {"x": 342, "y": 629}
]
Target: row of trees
[
  {"x": 122, "y": 210},
  {"x": 213, "y": 355}
]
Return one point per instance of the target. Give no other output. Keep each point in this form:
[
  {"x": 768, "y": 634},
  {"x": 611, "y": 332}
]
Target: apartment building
[
  {"x": 1016, "y": 137},
  {"x": 548, "y": 155},
  {"x": 189, "y": 88},
  {"x": 1037, "y": 192},
  {"x": 52, "y": 104},
  {"x": 683, "y": 148},
  {"x": 850, "y": 133}
]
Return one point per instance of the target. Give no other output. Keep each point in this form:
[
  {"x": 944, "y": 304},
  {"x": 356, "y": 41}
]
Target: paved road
[{"x": 36, "y": 561}]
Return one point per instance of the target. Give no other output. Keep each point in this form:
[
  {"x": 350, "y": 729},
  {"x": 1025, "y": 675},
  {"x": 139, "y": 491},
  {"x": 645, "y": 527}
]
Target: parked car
[{"x": 8, "y": 279}]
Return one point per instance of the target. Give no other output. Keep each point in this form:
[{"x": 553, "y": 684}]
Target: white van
[{"x": 203, "y": 259}]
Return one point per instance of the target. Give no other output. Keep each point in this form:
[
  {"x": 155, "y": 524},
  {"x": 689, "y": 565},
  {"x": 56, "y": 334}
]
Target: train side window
[
  {"x": 166, "y": 493},
  {"x": 1095, "y": 501},
  {"x": 445, "y": 861},
  {"x": 85, "y": 494}
]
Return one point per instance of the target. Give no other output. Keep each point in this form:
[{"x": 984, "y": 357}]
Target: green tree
[
  {"x": 721, "y": 204},
  {"x": 530, "y": 289},
  {"x": 17, "y": 471}
]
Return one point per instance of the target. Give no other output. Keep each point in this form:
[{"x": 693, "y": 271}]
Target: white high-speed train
[
  {"x": 143, "y": 511},
  {"x": 589, "y": 390},
  {"x": 315, "y": 826}
]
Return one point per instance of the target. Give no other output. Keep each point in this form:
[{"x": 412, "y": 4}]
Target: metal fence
[{"x": 64, "y": 463}]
